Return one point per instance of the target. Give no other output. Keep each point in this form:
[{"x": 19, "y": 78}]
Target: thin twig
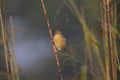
[{"x": 51, "y": 36}]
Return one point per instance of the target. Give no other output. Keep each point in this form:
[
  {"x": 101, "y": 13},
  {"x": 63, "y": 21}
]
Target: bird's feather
[{"x": 59, "y": 41}]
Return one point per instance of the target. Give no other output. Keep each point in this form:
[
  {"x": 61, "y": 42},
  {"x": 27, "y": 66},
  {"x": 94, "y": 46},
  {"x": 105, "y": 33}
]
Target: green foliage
[
  {"x": 97, "y": 58},
  {"x": 83, "y": 72}
]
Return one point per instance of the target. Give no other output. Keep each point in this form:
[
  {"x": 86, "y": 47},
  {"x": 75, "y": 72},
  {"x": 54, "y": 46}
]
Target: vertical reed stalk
[
  {"x": 105, "y": 39},
  {"x": 5, "y": 47},
  {"x": 13, "y": 49},
  {"x": 109, "y": 12},
  {"x": 115, "y": 58},
  {"x": 109, "y": 19},
  {"x": 113, "y": 14},
  {"x": 10, "y": 63},
  {"x": 51, "y": 36}
]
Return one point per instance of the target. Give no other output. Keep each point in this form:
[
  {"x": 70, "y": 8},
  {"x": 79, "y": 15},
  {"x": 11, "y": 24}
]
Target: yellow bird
[{"x": 59, "y": 40}]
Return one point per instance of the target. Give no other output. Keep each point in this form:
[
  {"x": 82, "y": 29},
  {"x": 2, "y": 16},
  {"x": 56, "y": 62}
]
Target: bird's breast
[{"x": 59, "y": 41}]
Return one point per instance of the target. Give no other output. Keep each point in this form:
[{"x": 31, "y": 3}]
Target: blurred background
[{"x": 34, "y": 52}]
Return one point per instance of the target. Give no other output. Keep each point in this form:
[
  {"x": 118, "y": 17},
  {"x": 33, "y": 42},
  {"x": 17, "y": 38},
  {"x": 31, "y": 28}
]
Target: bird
[{"x": 59, "y": 41}]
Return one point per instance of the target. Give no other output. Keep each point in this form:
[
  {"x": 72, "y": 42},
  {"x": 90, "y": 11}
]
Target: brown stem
[
  {"x": 114, "y": 23},
  {"x": 105, "y": 41},
  {"x": 13, "y": 49},
  {"x": 110, "y": 41},
  {"x": 5, "y": 39},
  {"x": 51, "y": 36}
]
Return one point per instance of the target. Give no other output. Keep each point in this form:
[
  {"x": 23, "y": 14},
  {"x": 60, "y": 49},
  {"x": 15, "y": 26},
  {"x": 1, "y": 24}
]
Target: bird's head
[{"x": 57, "y": 32}]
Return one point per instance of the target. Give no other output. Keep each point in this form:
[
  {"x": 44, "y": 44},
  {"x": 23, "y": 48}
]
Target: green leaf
[{"x": 116, "y": 31}]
